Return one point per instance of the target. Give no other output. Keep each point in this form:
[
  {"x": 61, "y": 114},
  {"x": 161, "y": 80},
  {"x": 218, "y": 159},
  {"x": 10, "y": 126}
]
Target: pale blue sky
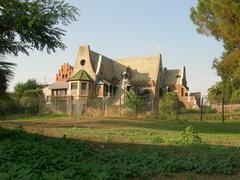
[{"x": 124, "y": 28}]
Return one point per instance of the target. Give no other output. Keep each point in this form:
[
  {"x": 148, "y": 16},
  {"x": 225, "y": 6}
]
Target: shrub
[
  {"x": 235, "y": 98},
  {"x": 189, "y": 136},
  {"x": 169, "y": 106},
  {"x": 209, "y": 110},
  {"x": 134, "y": 102}
]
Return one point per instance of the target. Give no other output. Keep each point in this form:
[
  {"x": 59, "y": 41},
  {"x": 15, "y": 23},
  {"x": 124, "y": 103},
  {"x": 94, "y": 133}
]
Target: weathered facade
[{"x": 95, "y": 75}]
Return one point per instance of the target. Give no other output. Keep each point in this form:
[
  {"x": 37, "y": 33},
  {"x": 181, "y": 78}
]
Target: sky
[{"x": 124, "y": 28}]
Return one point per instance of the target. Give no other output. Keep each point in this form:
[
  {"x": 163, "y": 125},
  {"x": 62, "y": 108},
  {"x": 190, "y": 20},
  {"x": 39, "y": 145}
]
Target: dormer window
[{"x": 82, "y": 62}]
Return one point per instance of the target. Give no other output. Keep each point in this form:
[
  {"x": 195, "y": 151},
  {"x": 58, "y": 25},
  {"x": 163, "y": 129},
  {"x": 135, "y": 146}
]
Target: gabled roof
[{"x": 81, "y": 75}]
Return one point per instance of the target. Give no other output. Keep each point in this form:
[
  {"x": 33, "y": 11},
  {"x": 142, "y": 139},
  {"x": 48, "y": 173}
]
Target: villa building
[{"x": 95, "y": 75}]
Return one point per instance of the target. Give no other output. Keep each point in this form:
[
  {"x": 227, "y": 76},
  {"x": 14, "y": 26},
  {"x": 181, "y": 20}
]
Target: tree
[
  {"x": 5, "y": 76},
  {"x": 30, "y": 84},
  {"x": 32, "y": 101},
  {"x": 27, "y": 98},
  {"x": 30, "y": 24},
  {"x": 26, "y": 25},
  {"x": 221, "y": 19}
]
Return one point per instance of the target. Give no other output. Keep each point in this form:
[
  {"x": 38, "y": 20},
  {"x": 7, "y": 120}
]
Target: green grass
[
  {"x": 115, "y": 148},
  {"x": 153, "y": 131}
]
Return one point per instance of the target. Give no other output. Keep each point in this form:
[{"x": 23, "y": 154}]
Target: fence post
[
  {"x": 222, "y": 109},
  {"x": 120, "y": 106},
  {"x": 103, "y": 106},
  {"x": 55, "y": 104},
  {"x": 156, "y": 108},
  {"x": 201, "y": 110},
  {"x": 137, "y": 106},
  {"x": 40, "y": 106},
  {"x": 71, "y": 105}
]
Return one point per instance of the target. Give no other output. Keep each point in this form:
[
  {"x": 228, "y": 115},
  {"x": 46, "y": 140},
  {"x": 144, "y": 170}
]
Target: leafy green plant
[
  {"x": 189, "y": 136},
  {"x": 169, "y": 106},
  {"x": 134, "y": 103}
]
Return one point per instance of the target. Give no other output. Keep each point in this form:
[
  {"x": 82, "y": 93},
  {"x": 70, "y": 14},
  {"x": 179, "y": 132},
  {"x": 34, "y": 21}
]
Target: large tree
[
  {"x": 221, "y": 19},
  {"x": 31, "y": 24}
]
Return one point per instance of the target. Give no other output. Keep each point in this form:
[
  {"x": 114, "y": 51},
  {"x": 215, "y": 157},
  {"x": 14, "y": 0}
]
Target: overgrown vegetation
[
  {"x": 31, "y": 156},
  {"x": 134, "y": 103},
  {"x": 27, "y": 25},
  {"x": 189, "y": 136},
  {"x": 27, "y": 98},
  {"x": 169, "y": 106}
]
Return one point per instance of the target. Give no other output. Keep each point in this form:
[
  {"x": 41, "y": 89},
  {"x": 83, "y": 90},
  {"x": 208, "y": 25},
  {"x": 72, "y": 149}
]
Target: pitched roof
[
  {"x": 173, "y": 76},
  {"x": 81, "y": 75},
  {"x": 143, "y": 69},
  {"x": 59, "y": 85}
]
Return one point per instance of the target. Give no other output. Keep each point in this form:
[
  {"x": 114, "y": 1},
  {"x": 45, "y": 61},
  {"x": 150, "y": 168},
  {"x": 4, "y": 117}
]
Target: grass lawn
[{"x": 88, "y": 148}]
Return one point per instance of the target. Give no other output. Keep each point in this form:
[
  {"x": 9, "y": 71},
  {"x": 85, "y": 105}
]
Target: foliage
[
  {"x": 215, "y": 93},
  {"x": 134, "y": 102},
  {"x": 169, "y": 106},
  {"x": 31, "y": 101},
  {"x": 221, "y": 19},
  {"x": 235, "y": 99},
  {"x": 6, "y": 74},
  {"x": 208, "y": 110},
  {"x": 31, "y": 156},
  {"x": 189, "y": 136},
  {"x": 30, "y": 84},
  {"x": 26, "y": 25},
  {"x": 219, "y": 90},
  {"x": 27, "y": 98}
]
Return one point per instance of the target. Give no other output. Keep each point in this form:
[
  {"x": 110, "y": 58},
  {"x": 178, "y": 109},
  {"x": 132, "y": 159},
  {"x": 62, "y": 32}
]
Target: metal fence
[
  {"x": 99, "y": 106},
  {"x": 143, "y": 107}
]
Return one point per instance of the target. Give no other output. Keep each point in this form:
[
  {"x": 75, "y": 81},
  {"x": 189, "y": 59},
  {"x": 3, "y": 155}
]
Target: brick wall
[{"x": 64, "y": 72}]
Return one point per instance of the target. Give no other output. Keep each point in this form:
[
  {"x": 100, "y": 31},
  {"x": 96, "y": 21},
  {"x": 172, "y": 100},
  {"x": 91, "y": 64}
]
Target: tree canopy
[
  {"x": 30, "y": 24},
  {"x": 26, "y": 25},
  {"x": 221, "y": 19}
]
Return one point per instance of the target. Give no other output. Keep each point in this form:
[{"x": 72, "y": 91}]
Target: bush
[
  {"x": 235, "y": 99},
  {"x": 189, "y": 136},
  {"x": 209, "y": 110},
  {"x": 169, "y": 106},
  {"x": 189, "y": 111},
  {"x": 134, "y": 102}
]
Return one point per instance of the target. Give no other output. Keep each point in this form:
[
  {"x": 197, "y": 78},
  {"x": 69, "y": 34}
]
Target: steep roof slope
[
  {"x": 142, "y": 68},
  {"x": 81, "y": 75},
  {"x": 175, "y": 76}
]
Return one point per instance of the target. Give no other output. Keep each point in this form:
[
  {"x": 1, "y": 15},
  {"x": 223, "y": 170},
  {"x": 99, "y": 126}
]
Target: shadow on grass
[{"x": 29, "y": 155}]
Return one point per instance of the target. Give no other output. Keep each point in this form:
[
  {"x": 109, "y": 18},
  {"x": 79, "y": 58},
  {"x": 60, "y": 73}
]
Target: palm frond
[{"x": 6, "y": 74}]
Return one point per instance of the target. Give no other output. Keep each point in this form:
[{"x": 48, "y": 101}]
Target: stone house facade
[{"x": 95, "y": 75}]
